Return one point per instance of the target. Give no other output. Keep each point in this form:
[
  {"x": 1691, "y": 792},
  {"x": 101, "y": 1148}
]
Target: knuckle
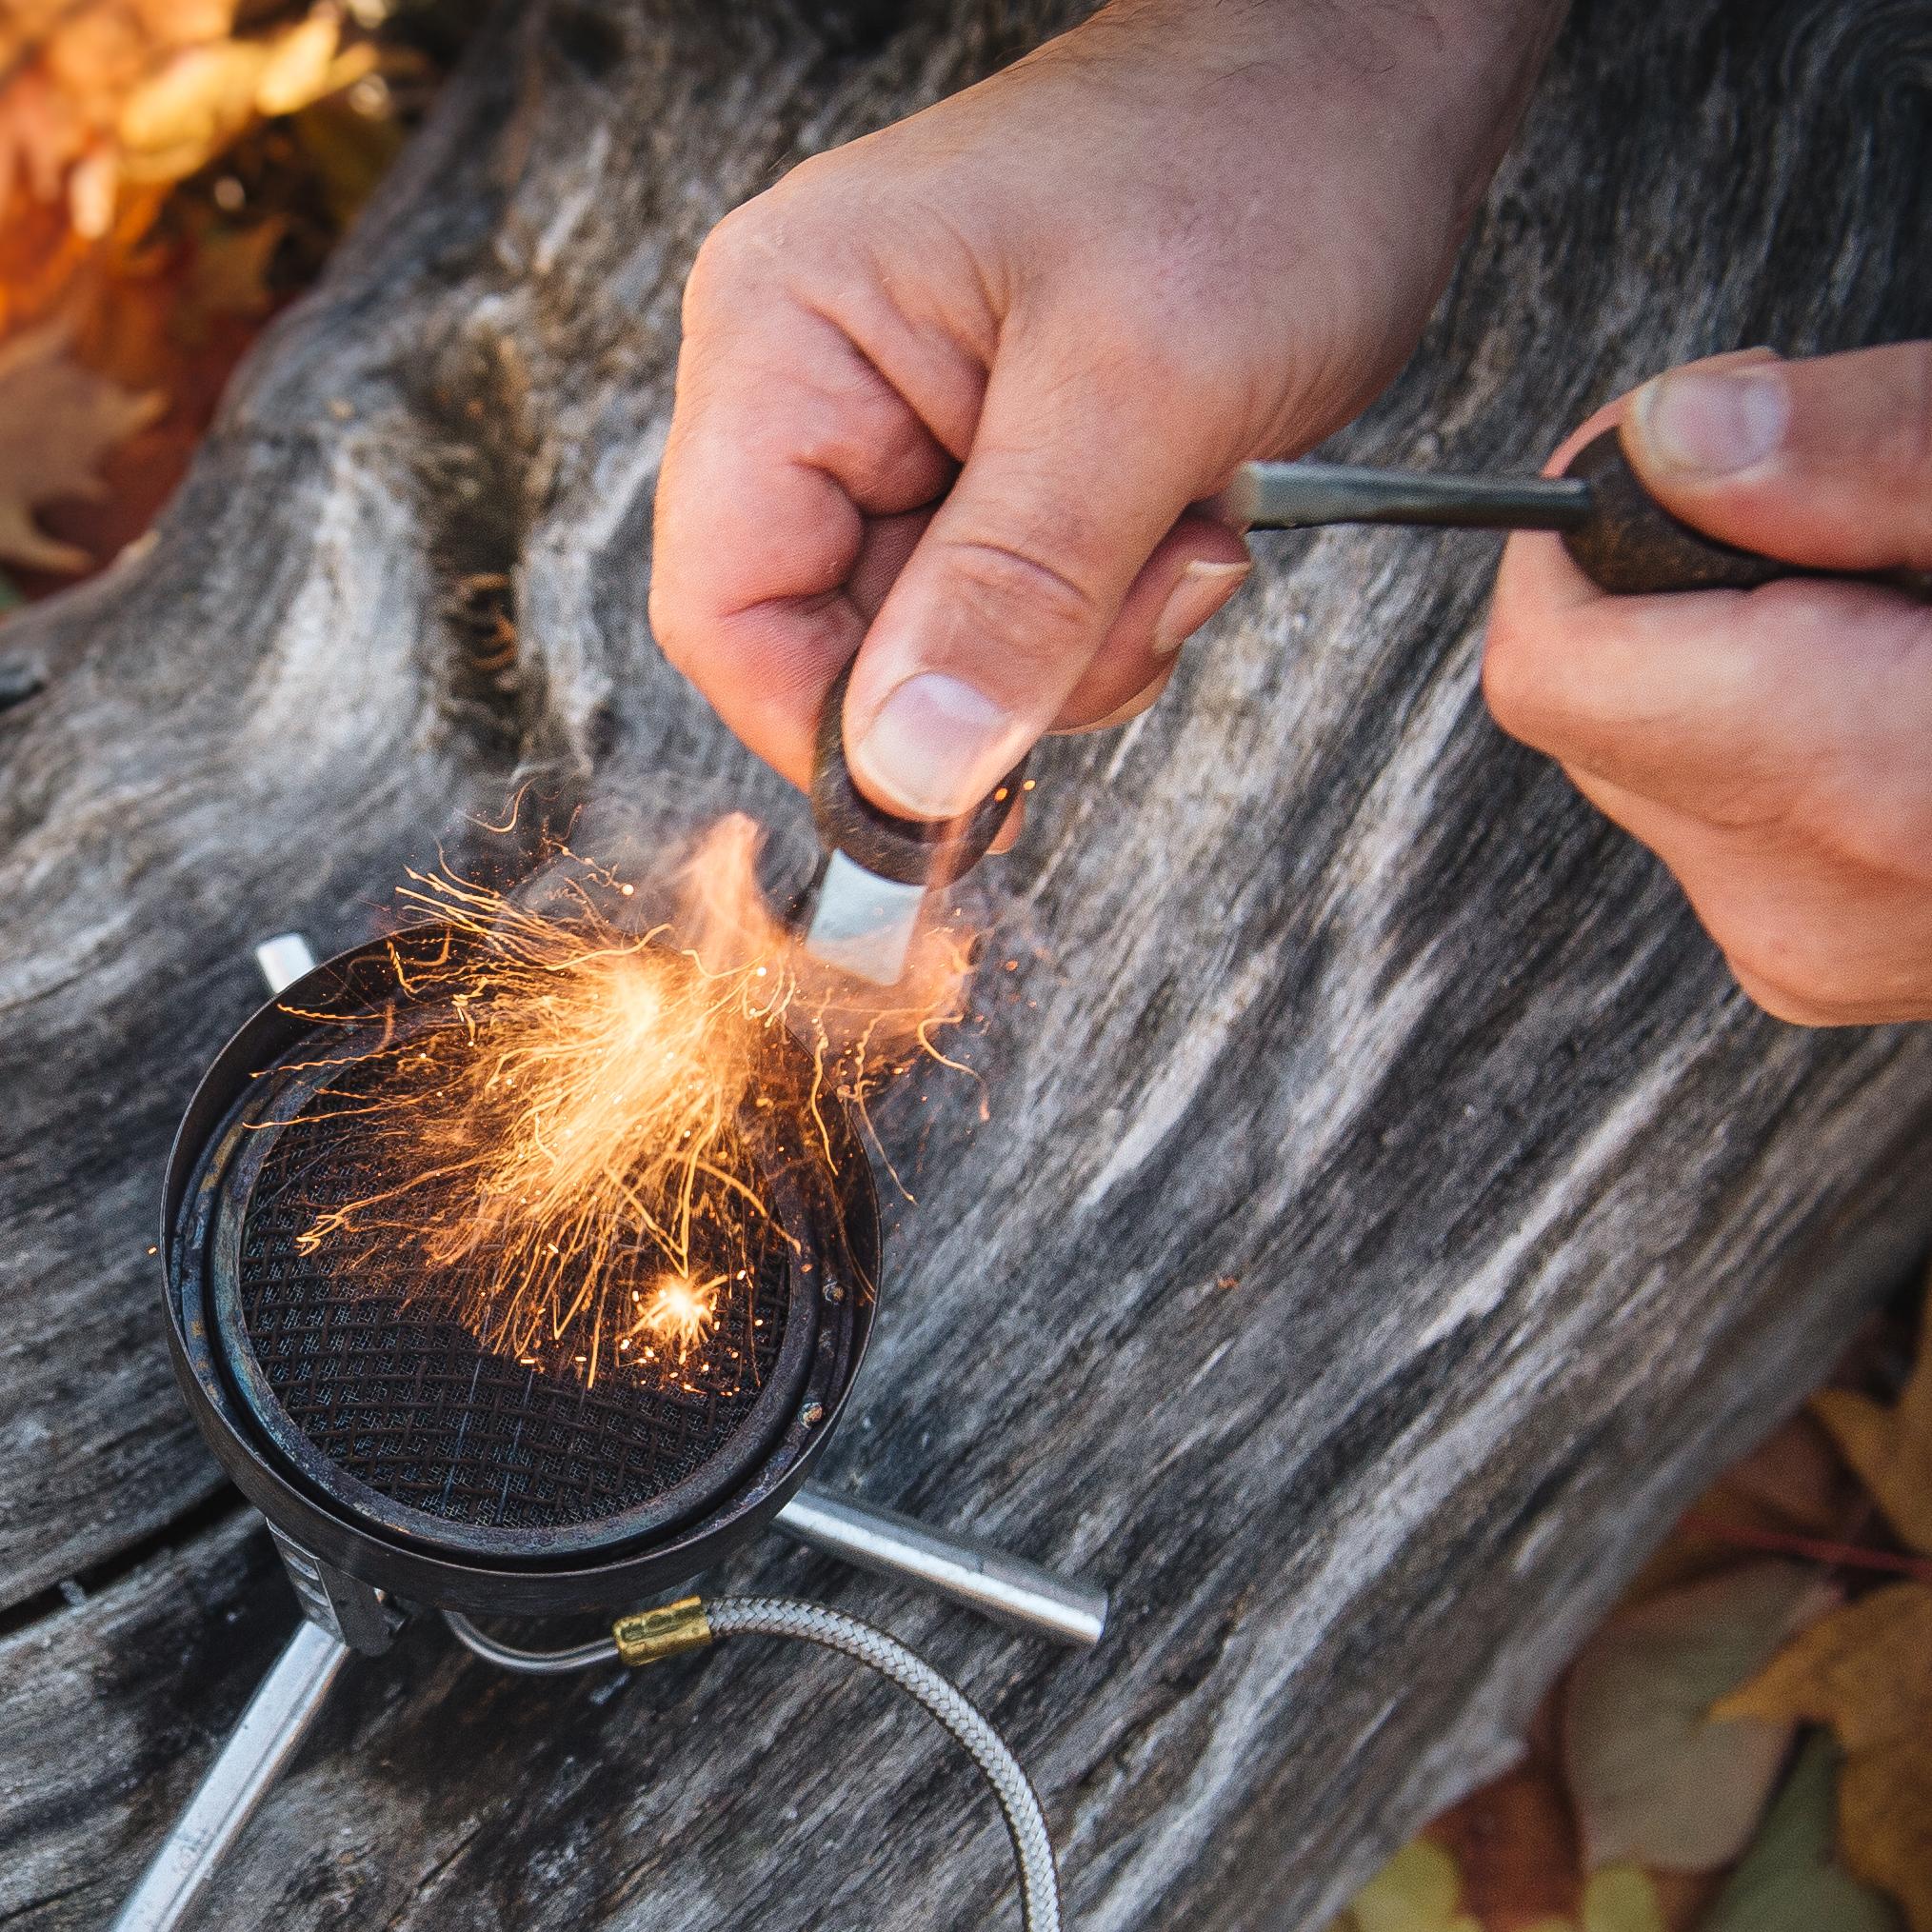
[
  {"x": 1753, "y": 955},
  {"x": 1797, "y": 972},
  {"x": 1513, "y": 683},
  {"x": 1011, "y": 587},
  {"x": 815, "y": 175},
  {"x": 726, "y": 257},
  {"x": 1883, "y": 1000},
  {"x": 1779, "y": 1002}
]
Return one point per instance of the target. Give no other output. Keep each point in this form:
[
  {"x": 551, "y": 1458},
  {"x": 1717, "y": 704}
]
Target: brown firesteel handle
[
  {"x": 913, "y": 851},
  {"x": 1631, "y": 545}
]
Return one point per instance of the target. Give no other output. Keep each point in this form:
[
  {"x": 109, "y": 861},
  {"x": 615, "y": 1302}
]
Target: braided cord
[
  {"x": 787, "y": 1617},
  {"x": 790, "y": 1616}
]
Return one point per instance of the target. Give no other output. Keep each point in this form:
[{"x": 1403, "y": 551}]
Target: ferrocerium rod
[{"x": 1295, "y": 496}]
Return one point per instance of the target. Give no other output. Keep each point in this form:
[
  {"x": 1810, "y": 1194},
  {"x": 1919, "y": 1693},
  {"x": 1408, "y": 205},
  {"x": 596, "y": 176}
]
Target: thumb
[
  {"x": 1011, "y": 592},
  {"x": 1825, "y": 462}
]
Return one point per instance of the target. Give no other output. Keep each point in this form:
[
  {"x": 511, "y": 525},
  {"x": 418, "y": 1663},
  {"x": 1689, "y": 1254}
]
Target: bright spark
[{"x": 681, "y": 1313}]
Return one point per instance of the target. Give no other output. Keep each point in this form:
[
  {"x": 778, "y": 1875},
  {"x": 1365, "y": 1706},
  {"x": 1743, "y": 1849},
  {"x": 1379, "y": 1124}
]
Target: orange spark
[
  {"x": 680, "y": 1313},
  {"x": 568, "y": 1114}
]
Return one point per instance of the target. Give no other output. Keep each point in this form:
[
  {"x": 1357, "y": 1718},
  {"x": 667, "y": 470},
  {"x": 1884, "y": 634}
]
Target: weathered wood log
[{"x": 1389, "y": 1216}]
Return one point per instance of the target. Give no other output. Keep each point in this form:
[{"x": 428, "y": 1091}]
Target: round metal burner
[
  {"x": 366, "y": 1418},
  {"x": 365, "y": 1378}
]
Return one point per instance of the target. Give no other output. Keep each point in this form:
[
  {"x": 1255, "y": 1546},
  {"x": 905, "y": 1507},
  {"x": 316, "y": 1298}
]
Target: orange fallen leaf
[
  {"x": 188, "y": 111},
  {"x": 1890, "y": 1448},
  {"x": 40, "y": 134},
  {"x": 1866, "y": 1671},
  {"x": 57, "y": 420},
  {"x": 299, "y": 65},
  {"x": 1515, "y": 1842},
  {"x": 196, "y": 104},
  {"x": 101, "y": 100}
]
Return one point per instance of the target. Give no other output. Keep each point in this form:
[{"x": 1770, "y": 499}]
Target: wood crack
[{"x": 199, "y": 1520}]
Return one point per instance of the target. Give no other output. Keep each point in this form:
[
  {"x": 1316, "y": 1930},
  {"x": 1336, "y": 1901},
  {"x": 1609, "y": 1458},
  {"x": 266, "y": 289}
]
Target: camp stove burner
[
  {"x": 357, "y": 1411},
  {"x": 403, "y": 1463},
  {"x": 382, "y": 1398}
]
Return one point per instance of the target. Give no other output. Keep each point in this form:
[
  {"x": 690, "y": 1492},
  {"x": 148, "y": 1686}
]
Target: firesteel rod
[{"x": 1304, "y": 495}]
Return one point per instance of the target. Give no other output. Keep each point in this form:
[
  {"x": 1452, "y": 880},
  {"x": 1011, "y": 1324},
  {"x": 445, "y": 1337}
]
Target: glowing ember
[
  {"x": 571, "y": 1144},
  {"x": 680, "y": 1313}
]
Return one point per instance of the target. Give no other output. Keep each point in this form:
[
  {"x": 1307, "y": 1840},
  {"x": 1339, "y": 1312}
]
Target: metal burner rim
[
  {"x": 270, "y": 1105},
  {"x": 847, "y": 1241}
]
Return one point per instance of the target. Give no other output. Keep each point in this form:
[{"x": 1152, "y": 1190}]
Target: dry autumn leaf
[
  {"x": 106, "y": 100},
  {"x": 1890, "y": 1448},
  {"x": 191, "y": 110},
  {"x": 1866, "y": 1671},
  {"x": 163, "y": 281},
  {"x": 1515, "y": 1842},
  {"x": 1657, "y": 1781},
  {"x": 39, "y": 136},
  {"x": 200, "y": 101},
  {"x": 1420, "y": 1889},
  {"x": 1622, "y": 1899},
  {"x": 1790, "y": 1879},
  {"x": 69, "y": 68},
  {"x": 300, "y": 63},
  {"x": 57, "y": 420}
]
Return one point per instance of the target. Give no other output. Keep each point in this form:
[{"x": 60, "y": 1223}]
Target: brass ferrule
[{"x": 648, "y": 1636}]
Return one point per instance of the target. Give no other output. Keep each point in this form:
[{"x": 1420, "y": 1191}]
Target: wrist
[{"x": 1421, "y": 100}]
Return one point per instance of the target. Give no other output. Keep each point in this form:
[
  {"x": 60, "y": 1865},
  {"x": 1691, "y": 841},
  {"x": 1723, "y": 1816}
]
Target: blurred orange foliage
[{"x": 171, "y": 171}]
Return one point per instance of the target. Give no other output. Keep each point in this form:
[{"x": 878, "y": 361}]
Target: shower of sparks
[{"x": 571, "y": 1139}]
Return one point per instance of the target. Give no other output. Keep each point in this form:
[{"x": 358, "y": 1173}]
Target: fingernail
[
  {"x": 1712, "y": 422},
  {"x": 1201, "y": 591},
  {"x": 936, "y": 747}
]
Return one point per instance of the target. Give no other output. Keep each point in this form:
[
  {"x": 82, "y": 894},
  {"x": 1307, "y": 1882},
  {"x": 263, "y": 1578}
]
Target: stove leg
[
  {"x": 270, "y": 1730},
  {"x": 961, "y": 1568}
]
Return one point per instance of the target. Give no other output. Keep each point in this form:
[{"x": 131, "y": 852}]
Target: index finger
[{"x": 786, "y": 447}]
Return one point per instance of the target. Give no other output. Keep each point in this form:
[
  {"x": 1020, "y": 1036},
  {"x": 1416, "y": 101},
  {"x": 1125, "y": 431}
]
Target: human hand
[
  {"x": 949, "y": 392},
  {"x": 1773, "y": 747}
]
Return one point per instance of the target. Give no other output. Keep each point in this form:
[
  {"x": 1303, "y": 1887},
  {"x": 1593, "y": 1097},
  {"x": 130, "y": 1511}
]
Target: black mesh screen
[{"x": 390, "y": 1388}]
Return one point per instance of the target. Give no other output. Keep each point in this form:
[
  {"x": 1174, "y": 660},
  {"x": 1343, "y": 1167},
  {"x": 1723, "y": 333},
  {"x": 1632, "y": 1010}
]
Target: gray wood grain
[{"x": 1321, "y": 991}]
